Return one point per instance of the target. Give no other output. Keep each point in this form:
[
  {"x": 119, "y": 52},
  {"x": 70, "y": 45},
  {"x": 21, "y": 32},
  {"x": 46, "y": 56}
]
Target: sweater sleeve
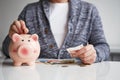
[
  {"x": 97, "y": 37},
  {"x": 6, "y": 42}
]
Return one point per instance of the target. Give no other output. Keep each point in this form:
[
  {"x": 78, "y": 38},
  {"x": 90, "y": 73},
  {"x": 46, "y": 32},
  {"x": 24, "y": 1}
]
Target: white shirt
[{"x": 58, "y": 21}]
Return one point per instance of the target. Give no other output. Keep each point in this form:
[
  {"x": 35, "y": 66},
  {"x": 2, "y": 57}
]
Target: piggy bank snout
[{"x": 25, "y": 51}]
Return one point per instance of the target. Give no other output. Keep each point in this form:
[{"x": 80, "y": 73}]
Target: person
[{"x": 61, "y": 24}]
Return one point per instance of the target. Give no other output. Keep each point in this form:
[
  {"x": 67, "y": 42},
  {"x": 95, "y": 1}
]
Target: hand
[
  {"x": 18, "y": 27},
  {"x": 87, "y": 54}
]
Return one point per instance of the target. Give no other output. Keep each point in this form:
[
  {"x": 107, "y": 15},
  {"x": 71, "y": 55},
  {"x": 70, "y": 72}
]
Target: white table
[{"x": 97, "y": 71}]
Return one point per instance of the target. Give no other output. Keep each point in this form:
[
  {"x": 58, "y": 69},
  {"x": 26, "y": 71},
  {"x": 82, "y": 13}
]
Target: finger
[
  {"x": 88, "y": 57},
  {"x": 23, "y": 26},
  {"x": 81, "y": 54},
  {"x": 86, "y": 54},
  {"x": 25, "y": 30},
  {"x": 80, "y": 51},
  {"x": 85, "y": 49},
  {"x": 90, "y": 61},
  {"x": 18, "y": 26},
  {"x": 11, "y": 33},
  {"x": 74, "y": 54},
  {"x": 15, "y": 29}
]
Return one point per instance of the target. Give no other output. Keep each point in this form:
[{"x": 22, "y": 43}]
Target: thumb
[{"x": 23, "y": 27}]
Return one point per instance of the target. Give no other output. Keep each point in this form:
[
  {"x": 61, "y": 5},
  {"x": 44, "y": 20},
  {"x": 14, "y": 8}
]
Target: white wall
[{"x": 108, "y": 9}]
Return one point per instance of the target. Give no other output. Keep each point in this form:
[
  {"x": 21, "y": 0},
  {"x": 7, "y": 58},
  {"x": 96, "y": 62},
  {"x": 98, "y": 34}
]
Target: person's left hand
[{"x": 87, "y": 54}]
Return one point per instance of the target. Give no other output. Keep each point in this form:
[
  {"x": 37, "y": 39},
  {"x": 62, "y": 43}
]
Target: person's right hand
[{"x": 18, "y": 27}]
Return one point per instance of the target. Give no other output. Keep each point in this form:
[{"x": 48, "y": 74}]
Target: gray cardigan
[{"x": 84, "y": 26}]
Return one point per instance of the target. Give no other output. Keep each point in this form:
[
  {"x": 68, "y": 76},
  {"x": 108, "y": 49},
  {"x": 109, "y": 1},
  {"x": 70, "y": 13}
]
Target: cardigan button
[
  {"x": 51, "y": 46},
  {"x": 46, "y": 30}
]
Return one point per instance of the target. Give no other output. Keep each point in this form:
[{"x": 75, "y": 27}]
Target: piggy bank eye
[
  {"x": 28, "y": 40},
  {"x": 22, "y": 40}
]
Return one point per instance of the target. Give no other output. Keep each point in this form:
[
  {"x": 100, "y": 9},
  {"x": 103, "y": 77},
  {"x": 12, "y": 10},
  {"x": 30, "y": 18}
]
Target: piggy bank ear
[
  {"x": 15, "y": 37},
  {"x": 34, "y": 37}
]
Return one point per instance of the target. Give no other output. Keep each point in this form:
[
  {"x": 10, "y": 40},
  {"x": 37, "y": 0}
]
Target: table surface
[{"x": 43, "y": 71}]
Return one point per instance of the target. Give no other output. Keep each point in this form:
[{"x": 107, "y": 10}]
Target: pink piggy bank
[{"x": 24, "y": 48}]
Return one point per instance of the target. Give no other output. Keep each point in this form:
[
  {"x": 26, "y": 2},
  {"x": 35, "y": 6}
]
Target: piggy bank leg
[
  {"x": 17, "y": 63},
  {"x": 31, "y": 63}
]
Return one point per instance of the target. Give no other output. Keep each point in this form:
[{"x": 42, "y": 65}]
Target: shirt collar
[{"x": 72, "y": 4}]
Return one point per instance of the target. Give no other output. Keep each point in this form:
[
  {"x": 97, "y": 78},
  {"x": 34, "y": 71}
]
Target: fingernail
[{"x": 25, "y": 31}]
